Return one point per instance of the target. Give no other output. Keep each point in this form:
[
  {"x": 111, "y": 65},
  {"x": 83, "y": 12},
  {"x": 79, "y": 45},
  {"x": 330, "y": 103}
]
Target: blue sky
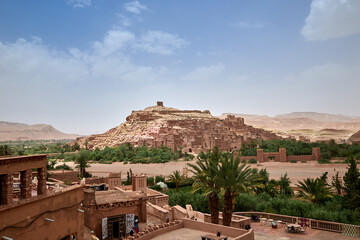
[{"x": 84, "y": 65}]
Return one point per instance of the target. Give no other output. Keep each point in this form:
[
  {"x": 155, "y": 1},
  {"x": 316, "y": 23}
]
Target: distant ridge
[
  {"x": 10, "y": 131},
  {"x": 311, "y": 125},
  {"x": 322, "y": 117}
]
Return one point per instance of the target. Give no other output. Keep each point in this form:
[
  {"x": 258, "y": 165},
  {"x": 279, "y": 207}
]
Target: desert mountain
[
  {"x": 192, "y": 130},
  {"x": 10, "y": 131},
  {"x": 355, "y": 138},
  {"x": 320, "y": 117},
  {"x": 313, "y": 126}
]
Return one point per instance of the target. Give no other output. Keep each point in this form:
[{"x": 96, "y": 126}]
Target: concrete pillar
[
  {"x": 41, "y": 189},
  {"x": 6, "y": 189},
  {"x": 25, "y": 184}
]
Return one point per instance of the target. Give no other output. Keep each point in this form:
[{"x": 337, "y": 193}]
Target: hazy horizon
[{"x": 84, "y": 65}]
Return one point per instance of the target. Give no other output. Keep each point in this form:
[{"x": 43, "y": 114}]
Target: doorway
[{"x": 116, "y": 227}]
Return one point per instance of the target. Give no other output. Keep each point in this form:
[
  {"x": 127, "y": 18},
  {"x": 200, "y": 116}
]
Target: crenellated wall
[{"x": 281, "y": 156}]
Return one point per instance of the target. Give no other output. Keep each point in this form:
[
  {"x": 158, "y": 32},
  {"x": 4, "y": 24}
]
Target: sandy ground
[
  {"x": 295, "y": 171},
  {"x": 183, "y": 234}
]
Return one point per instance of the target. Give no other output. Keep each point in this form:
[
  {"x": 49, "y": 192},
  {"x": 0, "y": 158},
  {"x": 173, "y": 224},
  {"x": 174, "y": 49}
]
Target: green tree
[
  {"x": 352, "y": 185},
  {"x": 205, "y": 171},
  {"x": 177, "y": 178},
  {"x": 75, "y": 147},
  {"x": 81, "y": 162},
  {"x": 314, "y": 190},
  {"x": 336, "y": 183},
  {"x": 234, "y": 178},
  {"x": 284, "y": 184}
]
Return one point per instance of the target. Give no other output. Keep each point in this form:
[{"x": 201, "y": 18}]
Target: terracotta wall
[
  {"x": 157, "y": 211},
  {"x": 300, "y": 158},
  {"x": 160, "y": 231},
  {"x": 213, "y": 228},
  {"x": 281, "y": 156},
  {"x": 178, "y": 212},
  {"x": 70, "y": 176},
  {"x": 29, "y": 215}
]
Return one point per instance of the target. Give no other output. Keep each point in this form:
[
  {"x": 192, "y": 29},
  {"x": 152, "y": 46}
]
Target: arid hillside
[
  {"x": 313, "y": 126},
  {"x": 10, "y": 131},
  {"x": 191, "y": 130},
  {"x": 355, "y": 138}
]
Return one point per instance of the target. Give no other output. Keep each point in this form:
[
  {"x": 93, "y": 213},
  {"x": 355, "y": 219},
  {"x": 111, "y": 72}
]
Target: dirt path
[{"x": 296, "y": 171}]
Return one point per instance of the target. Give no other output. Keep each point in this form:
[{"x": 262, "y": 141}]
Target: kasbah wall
[{"x": 280, "y": 156}]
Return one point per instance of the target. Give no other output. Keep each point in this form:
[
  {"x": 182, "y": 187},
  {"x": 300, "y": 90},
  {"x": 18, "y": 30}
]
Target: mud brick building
[{"x": 37, "y": 213}]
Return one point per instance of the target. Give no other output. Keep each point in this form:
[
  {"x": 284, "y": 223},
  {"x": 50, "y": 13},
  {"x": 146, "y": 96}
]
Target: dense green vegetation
[
  {"x": 36, "y": 147},
  {"x": 328, "y": 150},
  {"x": 233, "y": 187},
  {"x": 263, "y": 202},
  {"x": 128, "y": 154}
]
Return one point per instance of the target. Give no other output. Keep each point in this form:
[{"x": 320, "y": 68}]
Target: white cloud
[
  {"x": 248, "y": 24},
  {"x": 126, "y": 21},
  {"x": 330, "y": 19},
  {"x": 113, "y": 42},
  {"x": 79, "y": 3},
  {"x": 135, "y": 7},
  {"x": 159, "y": 42},
  {"x": 205, "y": 73}
]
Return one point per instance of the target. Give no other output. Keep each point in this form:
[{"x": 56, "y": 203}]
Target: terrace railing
[{"x": 315, "y": 224}]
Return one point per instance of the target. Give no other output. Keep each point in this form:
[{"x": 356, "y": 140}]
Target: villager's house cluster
[{"x": 189, "y": 130}]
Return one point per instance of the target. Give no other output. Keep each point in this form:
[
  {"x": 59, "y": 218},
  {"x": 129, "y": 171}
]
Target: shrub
[
  {"x": 293, "y": 161},
  {"x": 303, "y": 161},
  {"x": 171, "y": 184},
  {"x": 150, "y": 181},
  {"x": 321, "y": 161},
  {"x": 187, "y": 182},
  {"x": 253, "y": 160},
  {"x": 159, "y": 179},
  {"x": 243, "y": 161},
  {"x": 64, "y": 166},
  {"x": 156, "y": 187}
]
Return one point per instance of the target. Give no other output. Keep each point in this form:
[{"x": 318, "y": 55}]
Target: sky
[{"x": 84, "y": 65}]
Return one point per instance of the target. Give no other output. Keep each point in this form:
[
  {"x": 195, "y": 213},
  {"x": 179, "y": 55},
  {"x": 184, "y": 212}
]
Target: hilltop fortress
[{"x": 189, "y": 130}]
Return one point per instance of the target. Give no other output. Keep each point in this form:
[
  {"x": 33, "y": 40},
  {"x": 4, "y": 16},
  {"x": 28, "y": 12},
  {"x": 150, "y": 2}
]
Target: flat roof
[
  {"x": 3, "y": 158},
  {"x": 114, "y": 196}
]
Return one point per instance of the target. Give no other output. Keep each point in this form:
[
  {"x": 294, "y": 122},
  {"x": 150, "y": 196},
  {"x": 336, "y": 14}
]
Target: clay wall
[
  {"x": 235, "y": 233},
  {"x": 63, "y": 176},
  {"x": 157, "y": 211},
  {"x": 281, "y": 156},
  {"x": 178, "y": 212},
  {"x": 95, "y": 180},
  {"x": 29, "y": 215},
  {"x": 300, "y": 158}
]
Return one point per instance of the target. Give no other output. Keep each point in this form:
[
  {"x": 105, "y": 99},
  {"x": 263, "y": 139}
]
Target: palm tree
[
  {"x": 81, "y": 162},
  {"x": 314, "y": 190},
  {"x": 177, "y": 178},
  {"x": 205, "y": 170},
  {"x": 284, "y": 184},
  {"x": 234, "y": 178}
]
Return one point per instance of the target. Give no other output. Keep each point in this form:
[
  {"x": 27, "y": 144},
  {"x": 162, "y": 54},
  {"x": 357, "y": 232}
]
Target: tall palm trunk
[
  {"x": 214, "y": 207},
  {"x": 227, "y": 208}
]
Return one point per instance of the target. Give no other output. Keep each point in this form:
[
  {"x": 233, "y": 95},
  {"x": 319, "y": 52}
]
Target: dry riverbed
[{"x": 296, "y": 171}]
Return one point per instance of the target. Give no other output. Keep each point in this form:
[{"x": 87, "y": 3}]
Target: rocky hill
[
  {"x": 306, "y": 125},
  {"x": 10, "y": 131},
  {"x": 191, "y": 130},
  {"x": 355, "y": 138}
]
